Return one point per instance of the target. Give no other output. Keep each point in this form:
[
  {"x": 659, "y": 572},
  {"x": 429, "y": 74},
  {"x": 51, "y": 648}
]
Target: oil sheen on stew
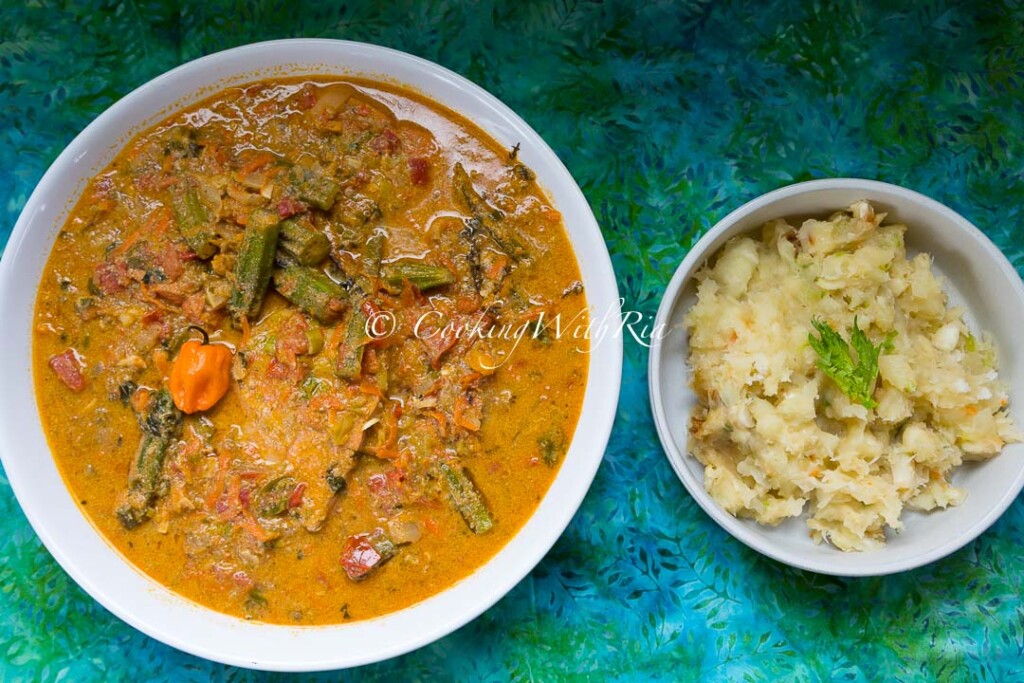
[{"x": 294, "y": 353}]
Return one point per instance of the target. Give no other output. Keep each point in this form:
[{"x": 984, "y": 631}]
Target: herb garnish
[{"x": 834, "y": 359}]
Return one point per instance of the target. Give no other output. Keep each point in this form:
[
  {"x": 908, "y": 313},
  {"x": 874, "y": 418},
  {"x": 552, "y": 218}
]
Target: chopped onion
[
  {"x": 404, "y": 532},
  {"x": 330, "y": 99}
]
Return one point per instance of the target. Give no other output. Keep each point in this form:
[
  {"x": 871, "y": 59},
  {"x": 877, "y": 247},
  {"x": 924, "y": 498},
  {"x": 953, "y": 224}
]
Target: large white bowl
[
  {"x": 976, "y": 274},
  {"x": 95, "y": 565}
]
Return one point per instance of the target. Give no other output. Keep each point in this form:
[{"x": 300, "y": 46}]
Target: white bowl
[
  {"x": 976, "y": 275},
  {"x": 94, "y": 564}
]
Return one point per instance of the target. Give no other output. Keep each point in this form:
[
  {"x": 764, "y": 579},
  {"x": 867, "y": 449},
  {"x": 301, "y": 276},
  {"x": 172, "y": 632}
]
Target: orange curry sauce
[{"x": 368, "y": 258}]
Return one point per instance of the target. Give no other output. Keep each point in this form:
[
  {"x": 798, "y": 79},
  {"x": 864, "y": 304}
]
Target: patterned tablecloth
[{"x": 669, "y": 115}]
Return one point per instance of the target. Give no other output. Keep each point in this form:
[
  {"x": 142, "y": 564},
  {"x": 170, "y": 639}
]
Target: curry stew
[{"x": 294, "y": 354}]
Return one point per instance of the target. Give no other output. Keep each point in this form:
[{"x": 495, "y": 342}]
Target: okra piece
[
  {"x": 161, "y": 426},
  {"x": 311, "y": 291},
  {"x": 195, "y": 223},
  {"x": 476, "y": 204},
  {"x": 467, "y": 498},
  {"x": 372, "y": 255},
  {"x": 383, "y": 544},
  {"x": 350, "y": 353},
  {"x": 423, "y": 275},
  {"x": 254, "y": 265},
  {"x": 285, "y": 260},
  {"x": 313, "y": 187},
  {"x": 274, "y": 496},
  {"x": 486, "y": 220},
  {"x": 335, "y": 477},
  {"x": 307, "y": 245}
]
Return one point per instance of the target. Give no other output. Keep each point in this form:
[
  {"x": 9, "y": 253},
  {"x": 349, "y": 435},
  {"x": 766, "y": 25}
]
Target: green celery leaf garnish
[{"x": 856, "y": 379}]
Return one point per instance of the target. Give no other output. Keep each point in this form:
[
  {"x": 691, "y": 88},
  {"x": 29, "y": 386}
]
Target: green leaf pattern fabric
[{"x": 669, "y": 115}]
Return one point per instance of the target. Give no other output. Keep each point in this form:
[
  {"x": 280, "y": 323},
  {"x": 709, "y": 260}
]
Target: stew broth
[{"x": 370, "y": 281}]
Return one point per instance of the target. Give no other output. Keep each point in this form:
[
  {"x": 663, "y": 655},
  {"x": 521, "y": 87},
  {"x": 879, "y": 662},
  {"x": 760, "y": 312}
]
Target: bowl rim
[
  {"x": 504, "y": 569},
  {"x": 740, "y": 529}
]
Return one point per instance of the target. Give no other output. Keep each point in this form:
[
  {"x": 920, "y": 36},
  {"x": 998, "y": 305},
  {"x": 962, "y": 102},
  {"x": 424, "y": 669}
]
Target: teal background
[{"x": 669, "y": 115}]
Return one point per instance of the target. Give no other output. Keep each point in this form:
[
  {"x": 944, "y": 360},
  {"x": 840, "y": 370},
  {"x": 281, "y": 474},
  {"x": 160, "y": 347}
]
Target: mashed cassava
[{"x": 778, "y": 433}]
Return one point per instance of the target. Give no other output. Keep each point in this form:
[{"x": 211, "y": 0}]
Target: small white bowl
[
  {"x": 104, "y": 573},
  {"x": 976, "y": 275}
]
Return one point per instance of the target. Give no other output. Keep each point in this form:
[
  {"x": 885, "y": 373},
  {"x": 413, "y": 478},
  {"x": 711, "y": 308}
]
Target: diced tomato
[
  {"x": 359, "y": 180},
  {"x": 154, "y": 180},
  {"x": 295, "y": 500},
  {"x": 242, "y": 579},
  {"x": 469, "y": 379},
  {"x": 140, "y": 399},
  {"x": 153, "y": 315},
  {"x": 371, "y": 363},
  {"x": 306, "y": 97},
  {"x": 254, "y": 161},
  {"x": 438, "y": 342},
  {"x": 497, "y": 267},
  {"x": 111, "y": 278},
  {"x": 386, "y": 490},
  {"x": 385, "y": 143},
  {"x": 289, "y": 206},
  {"x": 68, "y": 370},
  {"x": 370, "y": 308},
  {"x": 419, "y": 171},
  {"x": 171, "y": 262},
  {"x": 167, "y": 330},
  {"x": 103, "y": 187},
  {"x": 377, "y": 483},
  {"x": 292, "y": 339},
  {"x": 277, "y": 370},
  {"x": 441, "y": 420},
  {"x": 249, "y": 523},
  {"x": 359, "y": 557},
  {"x": 194, "y": 306},
  {"x": 172, "y": 292},
  {"x": 367, "y": 387},
  {"x": 263, "y": 108},
  {"x": 468, "y": 303},
  {"x": 467, "y": 413}
]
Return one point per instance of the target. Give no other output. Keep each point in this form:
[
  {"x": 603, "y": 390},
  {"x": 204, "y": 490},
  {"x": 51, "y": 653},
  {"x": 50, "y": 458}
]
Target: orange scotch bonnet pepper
[{"x": 201, "y": 374}]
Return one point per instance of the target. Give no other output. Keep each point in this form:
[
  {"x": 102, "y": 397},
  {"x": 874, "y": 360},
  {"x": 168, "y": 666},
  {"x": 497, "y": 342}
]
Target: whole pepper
[{"x": 201, "y": 374}]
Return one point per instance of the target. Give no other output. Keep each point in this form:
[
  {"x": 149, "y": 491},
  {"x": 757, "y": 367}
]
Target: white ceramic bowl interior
[
  {"x": 79, "y": 548},
  {"x": 976, "y": 275}
]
